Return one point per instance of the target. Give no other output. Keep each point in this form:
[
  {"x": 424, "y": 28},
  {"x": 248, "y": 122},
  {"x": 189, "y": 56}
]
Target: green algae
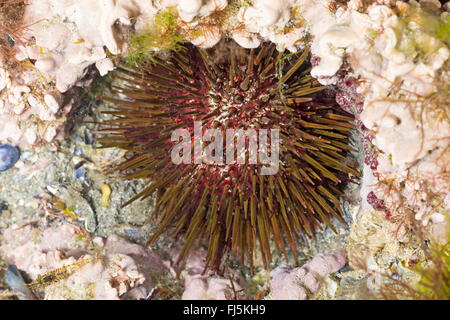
[
  {"x": 163, "y": 34},
  {"x": 421, "y": 33}
]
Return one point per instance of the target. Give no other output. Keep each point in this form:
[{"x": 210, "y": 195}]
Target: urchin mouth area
[
  {"x": 242, "y": 96},
  {"x": 233, "y": 206}
]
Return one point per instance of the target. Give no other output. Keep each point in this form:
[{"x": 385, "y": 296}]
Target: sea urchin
[{"x": 232, "y": 205}]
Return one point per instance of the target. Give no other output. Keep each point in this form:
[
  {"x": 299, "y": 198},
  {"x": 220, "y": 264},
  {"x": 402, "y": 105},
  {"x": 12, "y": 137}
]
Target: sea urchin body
[{"x": 232, "y": 205}]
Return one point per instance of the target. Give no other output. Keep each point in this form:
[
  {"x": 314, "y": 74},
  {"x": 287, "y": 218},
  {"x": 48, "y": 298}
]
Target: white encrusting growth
[
  {"x": 72, "y": 35},
  {"x": 63, "y": 40},
  {"x": 189, "y": 9},
  {"x": 271, "y": 20},
  {"x": 402, "y": 88}
]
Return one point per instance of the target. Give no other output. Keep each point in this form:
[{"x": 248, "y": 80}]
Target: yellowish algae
[{"x": 106, "y": 193}]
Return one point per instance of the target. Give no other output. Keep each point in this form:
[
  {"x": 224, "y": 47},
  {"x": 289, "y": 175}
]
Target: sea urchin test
[
  {"x": 232, "y": 205},
  {"x": 215, "y": 153}
]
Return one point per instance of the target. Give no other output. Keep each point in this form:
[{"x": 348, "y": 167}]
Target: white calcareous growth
[
  {"x": 71, "y": 35},
  {"x": 403, "y": 95},
  {"x": 64, "y": 38},
  {"x": 116, "y": 269},
  {"x": 191, "y": 12},
  {"x": 331, "y": 48},
  {"x": 209, "y": 39},
  {"x": 190, "y": 9},
  {"x": 293, "y": 284},
  {"x": 200, "y": 286},
  {"x": 269, "y": 20},
  {"x": 20, "y": 105},
  {"x": 4, "y": 79}
]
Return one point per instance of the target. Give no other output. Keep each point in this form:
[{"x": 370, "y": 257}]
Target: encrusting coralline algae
[{"x": 67, "y": 264}]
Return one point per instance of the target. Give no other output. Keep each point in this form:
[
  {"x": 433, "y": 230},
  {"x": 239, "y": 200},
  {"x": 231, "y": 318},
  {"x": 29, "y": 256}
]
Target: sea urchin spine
[{"x": 232, "y": 206}]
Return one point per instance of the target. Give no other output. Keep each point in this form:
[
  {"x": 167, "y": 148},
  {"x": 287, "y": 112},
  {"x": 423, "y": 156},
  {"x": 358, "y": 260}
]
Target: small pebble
[
  {"x": 3, "y": 206},
  {"x": 15, "y": 281},
  {"x": 8, "y": 156},
  {"x": 80, "y": 173},
  {"x": 88, "y": 137},
  {"x": 133, "y": 232},
  {"x": 106, "y": 193}
]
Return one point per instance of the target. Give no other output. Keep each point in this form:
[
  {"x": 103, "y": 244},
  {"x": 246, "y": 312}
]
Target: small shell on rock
[
  {"x": 8, "y": 156},
  {"x": 106, "y": 193},
  {"x": 15, "y": 281}
]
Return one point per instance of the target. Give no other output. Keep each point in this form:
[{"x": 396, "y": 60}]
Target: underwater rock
[
  {"x": 30, "y": 115},
  {"x": 277, "y": 21},
  {"x": 59, "y": 42},
  {"x": 15, "y": 281},
  {"x": 399, "y": 92},
  {"x": 189, "y": 9},
  {"x": 382, "y": 247},
  {"x": 74, "y": 42},
  {"x": 200, "y": 286},
  {"x": 67, "y": 263},
  {"x": 209, "y": 288},
  {"x": 8, "y": 156},
  {"x": 399, "y": 57},
  {"x": 294, "y": 284}
]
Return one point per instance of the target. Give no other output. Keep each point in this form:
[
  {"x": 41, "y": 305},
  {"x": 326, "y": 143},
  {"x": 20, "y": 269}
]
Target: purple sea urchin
[{"x": 233, "y": 206}]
